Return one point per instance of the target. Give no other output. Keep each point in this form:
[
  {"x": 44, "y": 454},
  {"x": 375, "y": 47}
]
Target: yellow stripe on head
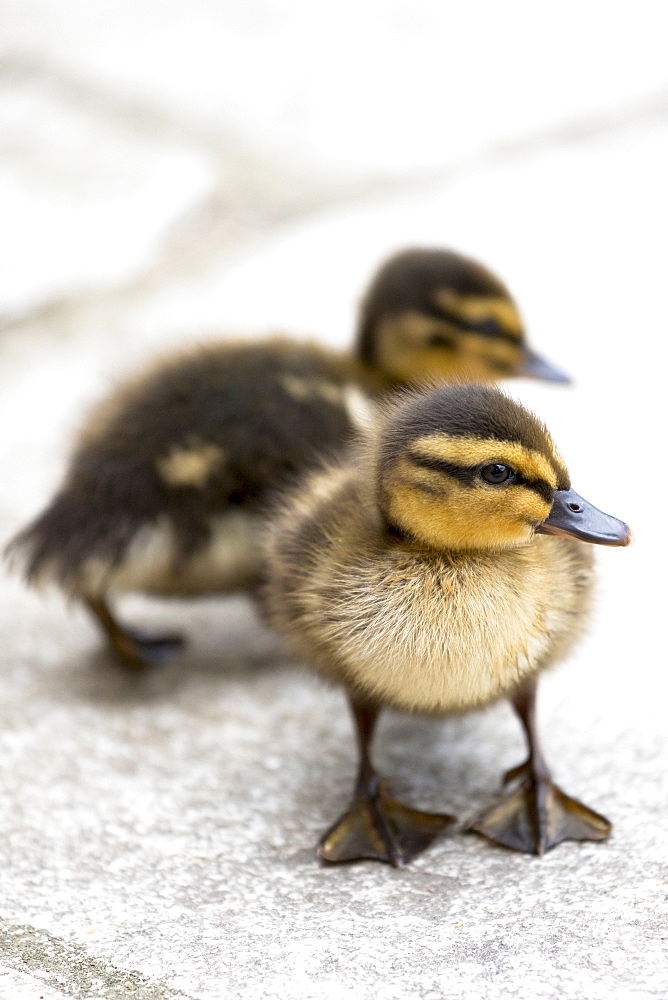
[
  {"x": 477, "y": 308},
  {"x": 471, "y": 451}
]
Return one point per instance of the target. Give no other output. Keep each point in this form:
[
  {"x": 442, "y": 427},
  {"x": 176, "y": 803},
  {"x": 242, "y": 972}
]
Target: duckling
[
  {"x": 430, "y": 311},
  {"x": 438, "y": 569},
  {"x": 168, "y": 479}
]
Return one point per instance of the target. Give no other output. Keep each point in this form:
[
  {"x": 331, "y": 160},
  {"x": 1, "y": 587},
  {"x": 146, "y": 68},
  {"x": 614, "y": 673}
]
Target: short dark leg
[
  {"x": 135, "y": 648},
  {"x": 537, "y": 815},
  {"x": 376, "y": 826}
]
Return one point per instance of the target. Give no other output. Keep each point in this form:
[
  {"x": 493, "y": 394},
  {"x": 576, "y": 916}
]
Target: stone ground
[{"x": 172, "y": 171}]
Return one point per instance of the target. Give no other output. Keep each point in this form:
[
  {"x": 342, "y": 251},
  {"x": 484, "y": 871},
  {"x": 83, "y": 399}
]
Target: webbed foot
[
  {"x": 139, "y": 649},
  {"x": 135, "y": 648},
  {"x": 377, "y": 827},
  {"x": 538, "y": 815}
]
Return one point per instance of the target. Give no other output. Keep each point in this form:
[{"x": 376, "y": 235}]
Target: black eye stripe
[
  {"x": 539, "y": 486},
  {"x": 464, "y": 473},
  {"x": 468, "y": 474},
  {"x": 484, "y": 328},
  {"x": 441, "y": 340}
]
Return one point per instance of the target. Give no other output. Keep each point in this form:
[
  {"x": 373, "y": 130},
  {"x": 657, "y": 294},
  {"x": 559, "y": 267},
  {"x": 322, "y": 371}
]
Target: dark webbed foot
[
  {"x": 134, "y": 647},
  {"x": 377, "y": 827},
  {"x": 538, "y": 815},
  {"x": 138, "y": 648}
]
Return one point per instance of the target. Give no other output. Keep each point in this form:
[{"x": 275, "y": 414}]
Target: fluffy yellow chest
[{"x": 442, "y": 635}]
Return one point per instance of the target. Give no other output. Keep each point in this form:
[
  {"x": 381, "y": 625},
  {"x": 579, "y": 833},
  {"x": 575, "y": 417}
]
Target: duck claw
[
  {"x": 538, "y": 815},
  {"x": 378, "y": 828},
  {"x": 138, "y": 649}
]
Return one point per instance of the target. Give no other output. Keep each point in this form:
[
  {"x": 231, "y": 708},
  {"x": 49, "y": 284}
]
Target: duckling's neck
[
  {"x": 374, "y": 379},
  {"x": 380, "y": 380},
  {"x": 396, "y": 533},
  {"x": 369, "y": 363}
]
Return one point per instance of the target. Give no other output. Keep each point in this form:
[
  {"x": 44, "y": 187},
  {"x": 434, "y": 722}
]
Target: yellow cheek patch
[
  {"x": 489, "y": 349},
  {"x": 405, "y": 354},
  {"x": 528, "y": 505},
  {"x": 457, "y": 522},
  {"x": 462, "y": 517},
  {"x": 401, "y": 331},
  {"x": 477, "y": 308},
  {"x": 483, "y": 359},
  {"x": 469, "y": 451}
]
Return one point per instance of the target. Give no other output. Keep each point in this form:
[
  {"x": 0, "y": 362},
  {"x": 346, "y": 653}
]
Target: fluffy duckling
[
  {"x": 434, "y": 312},
  {"x": 170, "y": 473},
  {"x": 440, "y": 569}
]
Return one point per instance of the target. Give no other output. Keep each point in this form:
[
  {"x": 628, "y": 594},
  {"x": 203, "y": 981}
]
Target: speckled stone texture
[{"x": 157, "y": 832}]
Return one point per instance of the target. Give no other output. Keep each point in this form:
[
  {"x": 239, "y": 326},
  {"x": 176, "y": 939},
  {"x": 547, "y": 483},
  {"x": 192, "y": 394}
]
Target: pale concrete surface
[
  {"x": 22, "y": 987},
  {"x": 157, "y": 833}
]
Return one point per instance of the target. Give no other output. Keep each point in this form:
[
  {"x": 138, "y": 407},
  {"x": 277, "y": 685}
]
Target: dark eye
[
  {"x": 440, "y": 340},
  {"x": 488, "y": 327},
  {"x": 496, "y": 473}
]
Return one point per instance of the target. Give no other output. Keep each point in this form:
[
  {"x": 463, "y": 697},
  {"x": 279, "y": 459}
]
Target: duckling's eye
[
  {"x": 440, "y": 340},
  {"x": 497, "y": 473},
  {"x": 488, "y": 327}
]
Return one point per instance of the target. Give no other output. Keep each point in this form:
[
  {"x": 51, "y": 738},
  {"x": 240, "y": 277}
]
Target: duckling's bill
[
  {"x": 574, "y": 517},
  {"x": 534, "y": 366}
]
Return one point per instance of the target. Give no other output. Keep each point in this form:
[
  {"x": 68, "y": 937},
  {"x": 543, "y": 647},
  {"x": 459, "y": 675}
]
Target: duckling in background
[
  {"x": 432, "y": 312},
  {"x": 437, "y": 570},
  {"x": 168, "y": 479}
]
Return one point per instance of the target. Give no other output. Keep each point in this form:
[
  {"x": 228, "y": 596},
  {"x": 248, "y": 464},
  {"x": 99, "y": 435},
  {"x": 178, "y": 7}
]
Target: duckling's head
[
  {"x": 466, "y": 468},
  {"x": 432, "y": 312}
]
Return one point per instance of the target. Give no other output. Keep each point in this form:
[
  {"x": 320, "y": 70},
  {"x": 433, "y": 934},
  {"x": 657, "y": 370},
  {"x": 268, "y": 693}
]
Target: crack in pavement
[{"x": 70, "y": 969}]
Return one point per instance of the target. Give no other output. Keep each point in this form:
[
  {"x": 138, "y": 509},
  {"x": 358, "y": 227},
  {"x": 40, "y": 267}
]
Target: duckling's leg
[
  {"x": 376, "y": 826},
  {"x": 537, "y": 815},
  {"x": 135, "y": 648}
]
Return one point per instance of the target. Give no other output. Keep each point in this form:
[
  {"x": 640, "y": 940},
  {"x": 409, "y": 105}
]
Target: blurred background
[{"x": 175, "y": 171}]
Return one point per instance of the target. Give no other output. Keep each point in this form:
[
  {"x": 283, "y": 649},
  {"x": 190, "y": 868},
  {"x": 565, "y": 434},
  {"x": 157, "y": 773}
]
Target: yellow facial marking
[
  {"x": 448, "y": 513},
  {"x": 470, "y": 451},
  {"x": 406, "y": 353},
  {"x": 405, "y": 473},
  {"x": 190, "y": 466},
  {"x": 464, "y": 517},
  {"x": 475, "y": 347},
  {"x": 477, "y": 308}
]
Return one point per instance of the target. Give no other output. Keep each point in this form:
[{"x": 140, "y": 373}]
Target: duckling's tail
[{"x": 70, "y": 545}]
